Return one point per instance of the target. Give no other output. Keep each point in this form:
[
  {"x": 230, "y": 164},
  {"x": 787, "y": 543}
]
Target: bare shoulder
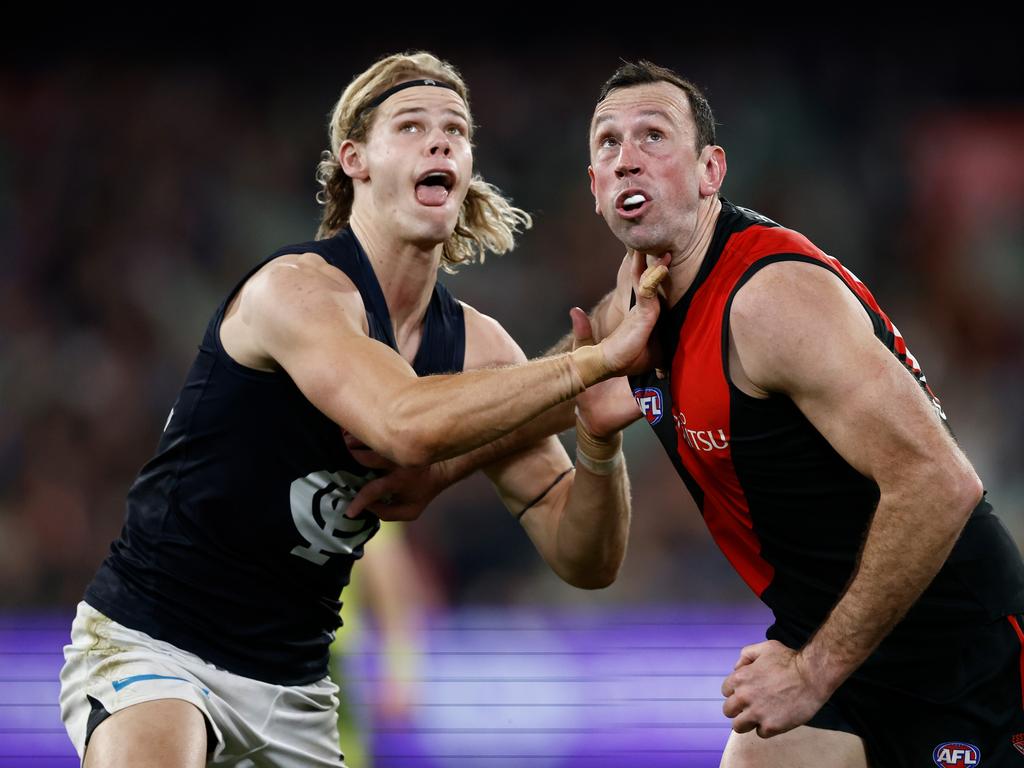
[
  {"x": 300, "y": 288},
  {"x": 792, "y": 316},
  {"x": 298, "y": 279},
  {"x": 791, "y": 289},
  {"x": 487, "y": 341},
  {"x": 800, "y": 331},
  {"x": 286, "y": 299}
]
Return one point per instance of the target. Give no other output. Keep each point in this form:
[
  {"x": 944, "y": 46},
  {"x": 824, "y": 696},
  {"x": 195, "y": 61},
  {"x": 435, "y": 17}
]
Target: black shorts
[{"x": 958, "y": 705}]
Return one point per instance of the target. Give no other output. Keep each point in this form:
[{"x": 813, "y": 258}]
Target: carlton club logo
[
  {"x": 318, "y": 503},
  {"x": 956, "y": 754},
  {"x": 649, "y": 399}
]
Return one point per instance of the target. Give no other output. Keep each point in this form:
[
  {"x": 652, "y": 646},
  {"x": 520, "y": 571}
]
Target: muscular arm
[
  {"x": 306, "y": 318},
  {"x": 800, "y": 332},
  {"x": 580, "y": 526}
]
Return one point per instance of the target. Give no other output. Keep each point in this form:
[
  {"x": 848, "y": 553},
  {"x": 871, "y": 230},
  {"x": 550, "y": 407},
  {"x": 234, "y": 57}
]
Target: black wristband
[{"x": 546, "y": 491}]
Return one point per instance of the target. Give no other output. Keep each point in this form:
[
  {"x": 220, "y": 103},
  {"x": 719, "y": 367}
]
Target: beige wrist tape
[
  {"x": 599, "y": 456},
  {"x": 590, "y": 364}
]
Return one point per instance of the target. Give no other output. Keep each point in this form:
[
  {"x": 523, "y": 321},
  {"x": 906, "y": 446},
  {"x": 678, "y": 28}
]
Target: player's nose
[
  {"x": 439, "y": 143},
  {"x": 629, "y": 161}
]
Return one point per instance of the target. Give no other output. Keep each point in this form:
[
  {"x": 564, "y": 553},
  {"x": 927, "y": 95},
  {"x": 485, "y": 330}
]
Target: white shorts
[{"x": 249, "y": 722}]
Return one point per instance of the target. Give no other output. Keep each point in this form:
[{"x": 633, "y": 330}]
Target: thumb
[
  {"x": 374, "y": 491},
  {"x": 583, "y": 333}
]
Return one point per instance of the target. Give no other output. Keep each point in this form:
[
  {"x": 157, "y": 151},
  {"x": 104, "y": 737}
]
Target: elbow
[
  {"x": 406, "y": 444},
  {"x": 412, "y": 451},
  {"x": 593, "y": 578},
  {"x": 601, "y": 581},
  {"x": 959, "y": 490},
  {"x": 968, "y": 490}
]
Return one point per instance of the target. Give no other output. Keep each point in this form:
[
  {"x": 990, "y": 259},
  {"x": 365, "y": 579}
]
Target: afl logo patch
[
  {"x": 649, "y": 400},
  {"x": 1018, "y": 742},
  {"x": 956, "y": 754}
]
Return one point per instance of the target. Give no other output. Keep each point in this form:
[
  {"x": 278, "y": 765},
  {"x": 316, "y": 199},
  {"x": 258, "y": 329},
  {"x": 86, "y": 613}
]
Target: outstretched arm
[
  {"x": 306, "y": 317},
  {"x": 577, "y": 517}
]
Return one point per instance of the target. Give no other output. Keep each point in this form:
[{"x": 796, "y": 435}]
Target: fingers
[
  {"x": 732, "y": 707},
  {"x": 737, "y": 707},
  {"x": 764, "y": 692},
  {"x": 728, "y": 686},
  {"x": 647, "y": 279},
  {"x": 378, "y": 490},
  {"x": 749, "y": 654},
  {"x": 650, "y": 280},
  {"x": 583, "y": 333},
  {"x": 743, "y": 724}
]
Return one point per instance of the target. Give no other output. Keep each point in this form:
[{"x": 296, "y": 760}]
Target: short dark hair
[{"x": 643, "y": 72}]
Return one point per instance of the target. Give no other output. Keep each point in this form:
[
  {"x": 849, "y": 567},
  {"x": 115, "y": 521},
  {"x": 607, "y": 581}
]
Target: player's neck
[
  {"x": 406, "y": 273},
  {"x": 689, "y": 255}
]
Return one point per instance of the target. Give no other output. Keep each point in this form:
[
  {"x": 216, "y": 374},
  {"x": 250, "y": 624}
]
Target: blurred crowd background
[{"x": 138, "y": 185}]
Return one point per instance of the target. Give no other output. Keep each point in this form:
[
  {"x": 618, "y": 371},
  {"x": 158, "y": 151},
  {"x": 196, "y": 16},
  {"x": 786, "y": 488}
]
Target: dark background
[{"x": 139, "y": 180}]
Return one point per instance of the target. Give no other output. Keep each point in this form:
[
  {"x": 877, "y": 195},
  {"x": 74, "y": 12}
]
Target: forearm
[
  {"x": 553, "y": 421},
  {"x": 438, "y": 417},
  {"x": 502, "y": 401},
  {"x": 909, "y": 539},
  {"x": 580, "y": 524},
  {"x": 593, "y": 528}
]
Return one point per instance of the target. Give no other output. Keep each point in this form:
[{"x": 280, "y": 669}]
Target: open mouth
[
  {"x": 433, "y": 187},
  {"x": 631, "y": 203}
]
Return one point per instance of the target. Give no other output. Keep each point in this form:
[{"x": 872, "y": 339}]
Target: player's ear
[
  {"x": 352, "y": 156},
  {"x": 712, "y": 171},
  {"x": 593, "y": 189}
]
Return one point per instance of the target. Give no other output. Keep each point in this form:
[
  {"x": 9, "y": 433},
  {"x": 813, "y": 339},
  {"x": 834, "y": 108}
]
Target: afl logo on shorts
[
  {"x": 956, "y": 754},
  {"x": 649, "y": 400}
]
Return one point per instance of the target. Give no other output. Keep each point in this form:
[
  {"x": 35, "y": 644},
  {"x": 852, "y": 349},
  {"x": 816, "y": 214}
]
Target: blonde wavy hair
[{"x": 487, "y": 220}]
